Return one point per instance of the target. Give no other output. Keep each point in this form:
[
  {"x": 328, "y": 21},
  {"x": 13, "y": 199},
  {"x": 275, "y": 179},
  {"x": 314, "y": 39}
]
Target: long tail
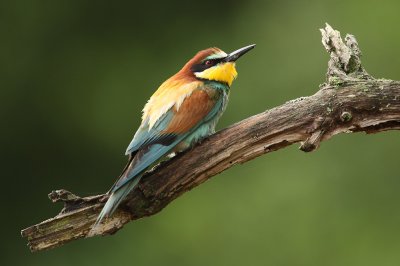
[
  {"x": 116, "y": 196},
  {"x": 130, "y": 177},
  {"x": 115, "y": 199}
]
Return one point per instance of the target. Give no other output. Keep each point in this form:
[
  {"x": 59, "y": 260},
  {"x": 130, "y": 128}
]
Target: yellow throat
[{"x": 225, "y": 72}]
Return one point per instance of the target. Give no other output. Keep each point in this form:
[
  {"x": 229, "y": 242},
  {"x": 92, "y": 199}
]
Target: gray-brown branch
[{"x": 349, "y": 101}]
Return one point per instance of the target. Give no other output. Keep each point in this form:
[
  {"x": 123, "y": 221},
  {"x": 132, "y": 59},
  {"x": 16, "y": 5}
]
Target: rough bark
[{"x": 350, "y": 101}]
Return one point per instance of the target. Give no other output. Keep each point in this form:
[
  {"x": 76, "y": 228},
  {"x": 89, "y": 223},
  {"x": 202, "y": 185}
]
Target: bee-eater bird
[{"x": 183, "y": 110}]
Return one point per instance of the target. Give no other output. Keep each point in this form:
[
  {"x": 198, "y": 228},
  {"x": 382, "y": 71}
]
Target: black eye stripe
[
  {"x": 203, "y": 66},
  {"x": 199, "y": 68},
  {"x": 213, "y": 61}
]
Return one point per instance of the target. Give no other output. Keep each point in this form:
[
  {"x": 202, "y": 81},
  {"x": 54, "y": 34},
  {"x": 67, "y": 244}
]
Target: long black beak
[{"x": 232, "y": 57}]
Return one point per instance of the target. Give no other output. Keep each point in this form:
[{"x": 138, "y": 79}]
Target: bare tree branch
[{"x": 350, "y": 101}]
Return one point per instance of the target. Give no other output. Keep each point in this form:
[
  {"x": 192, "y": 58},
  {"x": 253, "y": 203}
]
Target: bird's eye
[{"x": 208, "y": 63}]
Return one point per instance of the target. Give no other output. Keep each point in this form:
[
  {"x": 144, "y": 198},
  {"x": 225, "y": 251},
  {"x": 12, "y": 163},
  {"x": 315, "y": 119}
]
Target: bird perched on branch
[{"x": 183, "y": 110}]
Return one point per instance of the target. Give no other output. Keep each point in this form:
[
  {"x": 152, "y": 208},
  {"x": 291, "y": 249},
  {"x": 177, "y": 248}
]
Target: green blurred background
[{"x": 76, "y": 74}]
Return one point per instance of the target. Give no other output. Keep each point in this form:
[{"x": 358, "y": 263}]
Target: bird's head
[{"x": 215, "y": 65}]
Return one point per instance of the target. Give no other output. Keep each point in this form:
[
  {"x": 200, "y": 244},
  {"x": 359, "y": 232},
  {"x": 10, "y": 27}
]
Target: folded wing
[{"x": 150, "y": 145}]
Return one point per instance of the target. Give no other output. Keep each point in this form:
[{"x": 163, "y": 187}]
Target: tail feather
[
  {"x": 115, "y": 199},
  {"x": 130, "y": 177}
]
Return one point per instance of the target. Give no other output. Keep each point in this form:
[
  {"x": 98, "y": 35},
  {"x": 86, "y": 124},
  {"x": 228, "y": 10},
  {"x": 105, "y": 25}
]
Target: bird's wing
[
  {"x": 156, "y": 113},
  {"x": 174, "y": 126},
  {"x": 146, "y": 136}
]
